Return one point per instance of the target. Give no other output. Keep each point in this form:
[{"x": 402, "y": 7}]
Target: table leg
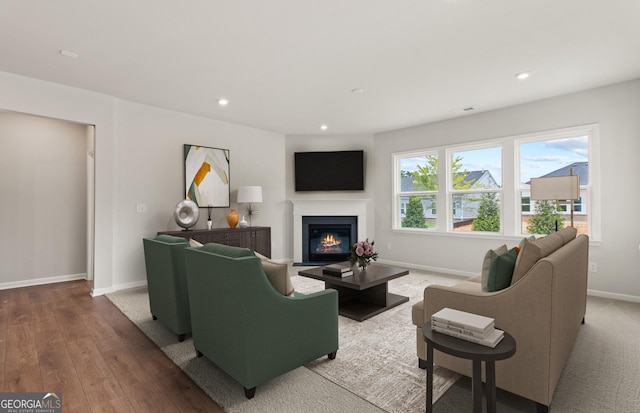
[
  {"x": 476, "y": 386},
  {"x": 429, "y": 378},
  {"x": 490, "y": 369}
]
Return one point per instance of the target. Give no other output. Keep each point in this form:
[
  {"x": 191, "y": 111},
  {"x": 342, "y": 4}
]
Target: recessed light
[
  {"x": 522, "y": 75},
  {"x": 357, "y": 91},
  {"x": 324, "y": 127},
  {"x": 69, "y": 54},
  {"x": 223, "y": 102}
]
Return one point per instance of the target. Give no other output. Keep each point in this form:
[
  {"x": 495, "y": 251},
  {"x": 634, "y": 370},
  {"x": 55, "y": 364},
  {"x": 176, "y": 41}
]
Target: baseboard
[
  {"x": 126, "y": 286},
  {"x": 614, "y": 296},
  {"x": 447, "y": 271},
  {"x": 42, "y": 281}
]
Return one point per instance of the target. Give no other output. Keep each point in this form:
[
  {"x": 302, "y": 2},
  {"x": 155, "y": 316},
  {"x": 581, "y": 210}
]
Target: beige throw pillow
[
  {"x": 486, "y": 264},
  {"x": 195, "y": 244},
  {"x": 278, "y": 275}
]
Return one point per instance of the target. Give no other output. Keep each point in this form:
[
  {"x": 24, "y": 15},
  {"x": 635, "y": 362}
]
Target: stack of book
[
  {"x": 467, "y": 326},
  {"x": 339, "y": 270}
]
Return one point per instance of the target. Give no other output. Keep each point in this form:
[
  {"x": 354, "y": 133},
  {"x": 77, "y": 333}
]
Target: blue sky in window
[{"x": 540, "y": 158}]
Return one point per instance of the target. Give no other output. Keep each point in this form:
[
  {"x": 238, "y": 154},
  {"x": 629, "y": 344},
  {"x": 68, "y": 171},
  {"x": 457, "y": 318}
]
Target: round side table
[{"x": 477, "y": 353}]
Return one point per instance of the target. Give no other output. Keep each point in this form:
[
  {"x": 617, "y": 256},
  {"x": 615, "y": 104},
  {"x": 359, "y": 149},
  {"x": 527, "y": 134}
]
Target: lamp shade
[
  {"x": 249, "y": 194},
  {"x": 555, "y": 188}
]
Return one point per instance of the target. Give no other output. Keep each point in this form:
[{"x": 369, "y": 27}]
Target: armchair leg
[
  {"x": 181, "y": 337},
  {"x": 249, "y": 393},
  {"x": 332, "y": 356},
  {"x": 154, "y": 317},
  {"x": 422, "y": 363},
  {"x": 541, "y": 408},
  {"x": 582, "y": 320}
]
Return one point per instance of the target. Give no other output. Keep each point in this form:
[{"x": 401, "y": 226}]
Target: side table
[{"x": 477, "y": 353}]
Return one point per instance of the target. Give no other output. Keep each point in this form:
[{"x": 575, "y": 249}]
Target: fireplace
[
  {"x": 327, "y": 239},
  {"x": 327, "y": 208}
]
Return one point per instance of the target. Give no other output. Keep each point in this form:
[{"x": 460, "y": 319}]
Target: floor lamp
[
  {"x": 249, "y": 195},
  {"x": 554, "y": 188}
]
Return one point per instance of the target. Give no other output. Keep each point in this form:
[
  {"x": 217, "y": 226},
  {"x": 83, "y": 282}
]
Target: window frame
[{"x": 510, "y": 187}]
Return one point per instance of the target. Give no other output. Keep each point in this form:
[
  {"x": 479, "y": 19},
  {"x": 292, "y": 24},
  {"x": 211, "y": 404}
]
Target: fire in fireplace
[{"x": 328, "y": 239}]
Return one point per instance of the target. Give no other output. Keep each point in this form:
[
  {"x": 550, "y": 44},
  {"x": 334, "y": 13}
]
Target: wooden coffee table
[{"x": 365, "y": 293}]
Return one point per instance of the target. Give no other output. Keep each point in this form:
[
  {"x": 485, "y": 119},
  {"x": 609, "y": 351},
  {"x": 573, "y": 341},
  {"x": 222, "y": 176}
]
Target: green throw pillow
[{"x": 501, "y": 271}]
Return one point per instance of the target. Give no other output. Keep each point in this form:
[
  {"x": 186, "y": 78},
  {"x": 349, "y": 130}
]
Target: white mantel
[{"x": 333, "y": 207}]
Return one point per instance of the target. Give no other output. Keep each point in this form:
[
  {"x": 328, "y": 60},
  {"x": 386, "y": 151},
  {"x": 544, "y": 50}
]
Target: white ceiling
[{"x": 290, "y": 65}]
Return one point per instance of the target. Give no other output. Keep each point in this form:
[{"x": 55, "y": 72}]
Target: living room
[{"x": 138, "y": 161}]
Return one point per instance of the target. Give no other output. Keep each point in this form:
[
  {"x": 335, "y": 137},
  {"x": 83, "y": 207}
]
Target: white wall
[
  {"x": 123, "y": 172},
  {"x": 150, "y": 171},
  {"x": 615, "y": 108},
  {"x": 43, "y": 210},
  {"x": 307, "y": 143}
]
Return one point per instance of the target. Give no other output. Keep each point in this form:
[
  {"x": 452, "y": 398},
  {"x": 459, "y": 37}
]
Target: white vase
[
  {"x": 209, "y": 224},
  {"x": 243, "y": 223}
]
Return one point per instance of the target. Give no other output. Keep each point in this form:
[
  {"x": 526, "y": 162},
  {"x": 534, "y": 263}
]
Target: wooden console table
[{"x": 255, "y": 238}]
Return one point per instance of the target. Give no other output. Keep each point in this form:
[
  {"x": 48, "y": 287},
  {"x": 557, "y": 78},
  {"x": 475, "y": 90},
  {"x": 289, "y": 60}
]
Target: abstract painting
[{"x": 206, "y": 173}]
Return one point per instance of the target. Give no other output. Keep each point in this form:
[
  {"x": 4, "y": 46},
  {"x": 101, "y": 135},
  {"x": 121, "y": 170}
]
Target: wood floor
[{"x": 57, "y": 338}]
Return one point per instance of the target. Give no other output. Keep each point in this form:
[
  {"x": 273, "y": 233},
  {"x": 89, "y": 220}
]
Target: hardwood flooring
[{"x": 57, "y": 338}]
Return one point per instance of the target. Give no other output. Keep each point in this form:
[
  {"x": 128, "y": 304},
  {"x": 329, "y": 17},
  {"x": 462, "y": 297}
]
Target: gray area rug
[{"x": 376, "y": 369}]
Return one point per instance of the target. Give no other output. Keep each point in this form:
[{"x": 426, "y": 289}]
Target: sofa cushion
[
  {"x": 170, "y": 239},
  {"x": 486, "y": 264},
  {"x": 227, "y": 250},
  {"x": 501, "y": 271},
  {"x": 278, "y": 275},
  {"x": 567, "y": 234},
  {"x": 532, "y": 251},
  {"x": 194, "y": 243}
]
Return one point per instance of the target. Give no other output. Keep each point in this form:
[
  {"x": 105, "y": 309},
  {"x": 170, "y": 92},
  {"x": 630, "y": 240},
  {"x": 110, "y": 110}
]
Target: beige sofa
[{"x": 542, "y": 309}]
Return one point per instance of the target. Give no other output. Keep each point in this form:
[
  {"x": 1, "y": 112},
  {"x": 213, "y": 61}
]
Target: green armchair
[
  {"x": 167, "y": 282},
  {"x": 247, "y": 328}
]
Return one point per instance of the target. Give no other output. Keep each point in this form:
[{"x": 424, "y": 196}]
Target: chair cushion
[
  {"x": 227, "y": 250},
  {"x": 170, "y": 239},
  {"x": 501, "y": 271},
  {"x": 486, "y": 264}
]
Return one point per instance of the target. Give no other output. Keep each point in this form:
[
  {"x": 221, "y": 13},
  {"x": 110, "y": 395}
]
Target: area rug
[{"x": 376, "y": 368}]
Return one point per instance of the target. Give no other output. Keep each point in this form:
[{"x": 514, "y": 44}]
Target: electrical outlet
[
  {"x": 593, "y": 267},
  {"x": 141, "y": 208},
  {"x": 388, "y": 245}
]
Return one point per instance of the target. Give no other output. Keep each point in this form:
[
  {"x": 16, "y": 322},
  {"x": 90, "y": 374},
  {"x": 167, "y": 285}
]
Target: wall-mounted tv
[{"x": 329, "y": 171}]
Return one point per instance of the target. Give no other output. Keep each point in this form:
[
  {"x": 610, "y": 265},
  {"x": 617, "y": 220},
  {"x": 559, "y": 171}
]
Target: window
[
  {"x": 462, "y": 189},
  {"x": 417, "y": 180},
  {"x": 474, "y": 189},
  {"x": 545, "y": 157}
]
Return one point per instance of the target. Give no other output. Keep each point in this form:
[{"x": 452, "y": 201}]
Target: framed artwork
[{"x": 206, "y": 172}]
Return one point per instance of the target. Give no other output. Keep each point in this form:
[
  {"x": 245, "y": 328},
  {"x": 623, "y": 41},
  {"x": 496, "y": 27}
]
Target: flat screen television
[{"x": 329, "y": 171}]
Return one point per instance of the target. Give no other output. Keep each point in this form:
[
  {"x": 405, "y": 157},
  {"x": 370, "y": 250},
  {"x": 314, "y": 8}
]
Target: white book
[
  {"x": 462, "y": 330},
  {"x": 491, "y": 340},
  {"x": 462, "y": 319}
]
